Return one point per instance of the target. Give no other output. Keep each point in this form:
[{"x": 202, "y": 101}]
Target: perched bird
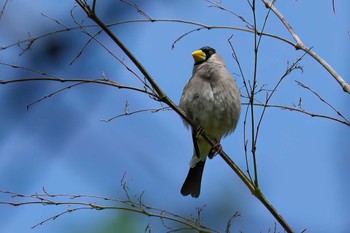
[{"x": 211, "y": 100}]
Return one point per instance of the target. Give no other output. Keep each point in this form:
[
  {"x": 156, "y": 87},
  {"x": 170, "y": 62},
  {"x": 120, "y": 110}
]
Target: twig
[
  {"x": 141, "y": 12},
  {"x": 324, "y": 101},
  {"x": 215, "y": 4},
  {"x": 229, "y": 222},
  {"x": 252, "y": 92},
  {"x": 85, "y": 46},
  {"x": 295, "y": 109},
  {"x": 52, "y": 94},
  {"x": 3, "y": 8},
  {"x": 128, "y": 113},
  {"x": 245, "y": 141},
  {"x": 56, "y": 21},
  {"x": 27, "y": 69}
]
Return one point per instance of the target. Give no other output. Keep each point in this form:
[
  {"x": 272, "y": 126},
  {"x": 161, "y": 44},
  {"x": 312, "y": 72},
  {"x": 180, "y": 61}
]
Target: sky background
[{"x": 62, "y": 144}]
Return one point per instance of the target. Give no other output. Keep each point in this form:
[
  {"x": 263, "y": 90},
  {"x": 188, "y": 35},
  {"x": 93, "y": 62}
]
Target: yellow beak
[{"x": 198, "y": 56}]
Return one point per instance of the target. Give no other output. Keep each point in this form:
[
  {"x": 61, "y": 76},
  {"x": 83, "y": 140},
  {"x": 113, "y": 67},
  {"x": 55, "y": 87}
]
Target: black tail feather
[{"x": 192, "y": 184}]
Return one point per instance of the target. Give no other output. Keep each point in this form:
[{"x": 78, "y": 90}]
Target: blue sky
[{"x": 62, "y": 144}]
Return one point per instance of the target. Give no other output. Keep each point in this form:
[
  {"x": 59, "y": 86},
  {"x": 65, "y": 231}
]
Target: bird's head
[{"x": 203, "y": 54}]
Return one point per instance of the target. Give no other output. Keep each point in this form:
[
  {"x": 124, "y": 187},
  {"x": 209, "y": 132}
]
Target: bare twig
[
  {"x": 229, "y": 222},
  {"x": 291, "y": 68},
  {"x": 56, "y": 21},
  {"x": 140, "y": 11},
  {"x": 26, "y": 69},
  {"x": 127, "y": 112},
  {"x": 216, "y": 5},
  {"x": 3, "y": 8},
  {"x": 325, "y": 102},
  {"x": 298, "y": 109},
  {"x": 53, "y": 93},
  {"x": 236, "y": 59}
]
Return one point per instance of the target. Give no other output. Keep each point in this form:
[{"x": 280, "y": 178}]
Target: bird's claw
[
  {"x": 216, "y": 149},
  {"x": 199, "y": 130}
]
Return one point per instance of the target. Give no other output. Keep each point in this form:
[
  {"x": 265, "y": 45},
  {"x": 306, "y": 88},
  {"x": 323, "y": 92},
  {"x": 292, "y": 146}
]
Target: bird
[{"x": 211, "y": 100}]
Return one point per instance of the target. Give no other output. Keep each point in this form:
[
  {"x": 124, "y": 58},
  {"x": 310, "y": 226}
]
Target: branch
[
  {"x": 80, "y": 81},
  {"x": 300, "y": 45},
  {"x": 77, "y": 202},
  {"x": 295, "y": 109}
]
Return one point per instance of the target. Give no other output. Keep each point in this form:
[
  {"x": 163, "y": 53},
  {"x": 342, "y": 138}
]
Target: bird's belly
[{"x": 215, "y": 118}]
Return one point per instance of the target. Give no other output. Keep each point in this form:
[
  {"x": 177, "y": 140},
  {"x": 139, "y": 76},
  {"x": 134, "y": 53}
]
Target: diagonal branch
[
  {"x": 301, "y": 45},
  {"x": 163, "y": 98}
]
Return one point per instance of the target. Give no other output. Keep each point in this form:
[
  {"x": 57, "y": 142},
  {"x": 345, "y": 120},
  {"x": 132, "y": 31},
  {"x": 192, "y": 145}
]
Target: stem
[{"x": 252, "y": 94}]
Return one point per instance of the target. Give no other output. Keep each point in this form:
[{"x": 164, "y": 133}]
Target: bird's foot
[
  {"x": 216, "y": 149},
  {"x": 195, "y": 135},
  {"x": 199, "y": 130}
]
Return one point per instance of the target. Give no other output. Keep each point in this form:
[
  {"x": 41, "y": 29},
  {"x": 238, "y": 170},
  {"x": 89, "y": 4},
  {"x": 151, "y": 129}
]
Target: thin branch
[
  {"x": 57, "y": 22},
  {"x": 121, "y": 61},
  {"x": 297, "y": 109},
  {"x": 92, "y": 37},
  {"x": 252, "y": 96},
  {"x": 77, "y": 202},
  {"x": 127, "y": 112},
  {"x": 52, "y": 94},
  {"x": 300, "y": 45},
  {"x": 160, "y": 94},
  {"x": 240, "y": 17},
  {"x": 272, "y": 7},
  {"x": 293, "y": 67},
  {"x": 236, "y": 59},
  {"x": 324, "y": 101},
  {"x": 81, "y": 81},
  {"x": 141, "y": 12},
  {"x": 2, "y": 11},
  {"x": 26, "y": 69},
  {"x": 229, "y": 222}
]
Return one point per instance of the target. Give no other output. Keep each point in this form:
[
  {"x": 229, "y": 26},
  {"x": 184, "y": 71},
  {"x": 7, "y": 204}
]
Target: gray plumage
[{"x": 211, "y": 100}]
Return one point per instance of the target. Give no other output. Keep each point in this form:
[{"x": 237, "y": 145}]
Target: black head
[
  {"x": 208, "y": 51},
  {"x": 203, "y": 54}
]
